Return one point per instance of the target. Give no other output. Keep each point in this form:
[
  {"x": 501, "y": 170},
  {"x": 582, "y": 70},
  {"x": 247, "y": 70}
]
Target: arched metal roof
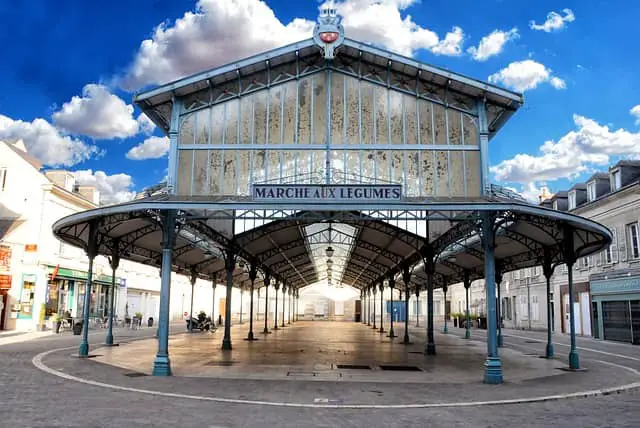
[{"x": 376, "y": 243}]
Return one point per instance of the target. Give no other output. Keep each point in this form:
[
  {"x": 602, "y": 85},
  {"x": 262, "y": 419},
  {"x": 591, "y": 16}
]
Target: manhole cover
[
  {"x": 401, "y": 368},
  {"x": 219, "y": 363},
  {"x": 352, "y": 367},
  {"x": 135, "y": 374}
]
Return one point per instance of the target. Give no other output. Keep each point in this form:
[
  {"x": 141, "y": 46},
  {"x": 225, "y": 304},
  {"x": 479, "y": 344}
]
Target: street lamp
[{"x": 329, "y": 252}]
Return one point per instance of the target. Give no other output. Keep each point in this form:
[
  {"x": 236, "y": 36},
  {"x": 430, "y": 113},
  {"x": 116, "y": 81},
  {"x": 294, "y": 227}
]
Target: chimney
[{"x": 90, "y": 193}]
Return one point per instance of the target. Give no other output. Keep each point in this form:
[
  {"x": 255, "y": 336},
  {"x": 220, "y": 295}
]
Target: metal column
[
  {"x": 92, "y": 251},
  {"x": 114, "y": 261},
  {"x": 161, "y": 364},
  {"x": 230, "y": 265},
  {"x": 547, "y": 270},
  {"x": 392, "y": 284},
  {"x": 493, "y": 365},
  {"x": 570, "y": 259},
  {"x": 467, "y": 285},
  {"x": 406, "y": 278}
]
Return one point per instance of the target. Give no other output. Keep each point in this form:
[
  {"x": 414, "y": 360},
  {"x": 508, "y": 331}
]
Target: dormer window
[
  {"x": 555, "y": 205},
  {"x": 616, "y": 181},
  {"x": 591, "y": 191},
  {"x": 572, "y": 199}
]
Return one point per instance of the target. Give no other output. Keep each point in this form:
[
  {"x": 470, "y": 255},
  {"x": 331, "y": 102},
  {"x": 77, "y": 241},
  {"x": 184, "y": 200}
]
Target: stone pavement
[{"x": 35, "y": 399}]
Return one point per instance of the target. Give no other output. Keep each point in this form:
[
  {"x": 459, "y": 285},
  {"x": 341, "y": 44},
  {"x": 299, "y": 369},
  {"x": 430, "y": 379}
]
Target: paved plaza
[{"x": 88, "y": 392}]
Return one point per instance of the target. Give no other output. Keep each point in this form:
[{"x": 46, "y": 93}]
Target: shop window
[
  {"x": 634, "y": 240},
  {"x": 26, "y": 298}
]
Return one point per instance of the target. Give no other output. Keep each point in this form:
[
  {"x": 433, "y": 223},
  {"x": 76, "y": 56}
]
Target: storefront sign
[
  {"x": 618, "y": 285},
  {"x": 5, "y": 258},
  {"x": 30, "y": 248},
  {"x": 326, "y": 192},
  {"x": 5, "y": 281}
]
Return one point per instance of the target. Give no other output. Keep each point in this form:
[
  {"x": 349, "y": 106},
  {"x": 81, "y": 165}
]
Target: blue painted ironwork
[
  {"x": 162, "y": 364},
  {"x": 276, "y": 286},
  {"x": 267, "y": 283},
  {"x": 114, "y": 261},
  {"x": 92, "y": 252},
  {"x": 406, "y": 278},
  {"x": 547, "y": 270},
  {"x": 493, "y": 365},
  {"x": 570, "y": 258},
  {"x": 174, "y": 135},
  {"x": 429, "y": 265},
  {"x": 467, "y": 284},
  {"x": 445, "y": 288},
  {"x": 392, "y": 284},
  {"x": 230, "y": 265}
]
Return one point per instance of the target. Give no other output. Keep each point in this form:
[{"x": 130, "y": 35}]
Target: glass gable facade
[{"x": 325, "y": 126}]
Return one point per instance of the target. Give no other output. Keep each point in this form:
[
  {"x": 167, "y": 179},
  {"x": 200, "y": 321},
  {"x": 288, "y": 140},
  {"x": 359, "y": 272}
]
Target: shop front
[{"x": 616, "y": 306}]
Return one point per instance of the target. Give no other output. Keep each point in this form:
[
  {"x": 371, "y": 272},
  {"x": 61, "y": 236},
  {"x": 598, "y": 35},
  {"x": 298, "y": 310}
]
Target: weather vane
[{"x": 328, "y": 32}]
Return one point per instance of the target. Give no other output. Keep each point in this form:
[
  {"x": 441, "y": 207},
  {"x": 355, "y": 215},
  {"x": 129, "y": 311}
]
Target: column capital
[
  {"x": 267, "y": 278},
  {"x": 381, "y": 286},
  {"x": 466, "y": 280},
  {"x": 392, "y": 282},
  {"x": 253, "y": 272}
]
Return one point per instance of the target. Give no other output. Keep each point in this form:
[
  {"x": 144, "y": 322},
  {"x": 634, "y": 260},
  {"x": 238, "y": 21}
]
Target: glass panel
[
  {"x": 186, "y": 129},
  {"x": 337, "y": 166},
  {"x": 337, "y": 109},
  {"x": 368, "y": 166},
  {"x": 353, "y": 166},
  {"x": 260, "y": 117},
  {"x": 412, "y": 165},
  {"x": 353, "y": 107},
  {"x": 396, "y": 101},
  {"x": 383, "y": 161},
  {"x": 455, "y": 127},
  {"x": 470, "y": 131},
  {"x": 273, "y": 172},
  {"x": 246, "y": 120},
  {"x": 185, "y": 161},
  {"x": 439, "y": 120},
  {"x": 319, "y": 109},
  {"x": 397, "y": 171},
  {"x": 229, "y": 159},
  {"x": 442, "y": 168},
  {"x": 472, "y": 164},
  {"x": 288, "y": 166},
  {"x": 289, "y": 126},
  {"x": 259, "y": 171},
  {"x": 367, "y": 106},
  {"x": 303, "y": 166},
  {"x": 231, "y": 128},
  {"x": 457, "y": 173},
  {"x": 304, "y": 111},
  {"x": 319, "y": 164},
  {"x": 202, "y": 126},
  {"x": 217, "y": 123},
  {"x": 410, "y": 119},
  {"x": 635, "y": 321},
  {"x": 426, "y": 122},
  {"x": 275, "y": 115},
  {"x": 382, "y": 126},
  {"x": 244, "y": 171},
  {"x": 616, "y": 321},
  {"x": 215, "y": 172},
  {"x": 200, "y": 182}
]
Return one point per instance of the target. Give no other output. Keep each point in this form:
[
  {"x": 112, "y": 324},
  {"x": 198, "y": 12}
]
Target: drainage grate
[
  {"x": 352, "y": 367},
  {"x": 219, "y": 363},
  {"x": 135, "y": 374},
  {"x": 532, "y": 341},
  {"x": 401, "y": 368}
]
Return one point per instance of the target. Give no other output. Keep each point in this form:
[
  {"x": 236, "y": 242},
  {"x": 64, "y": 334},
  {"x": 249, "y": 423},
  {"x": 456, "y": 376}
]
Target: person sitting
[{"x": 67, "y": 318}]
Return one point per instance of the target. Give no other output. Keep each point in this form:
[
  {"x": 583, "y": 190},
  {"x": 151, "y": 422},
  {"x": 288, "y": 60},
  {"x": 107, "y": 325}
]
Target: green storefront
[
  {"x": 66, "y": 289},
  {"x": 615, "y": 299}
]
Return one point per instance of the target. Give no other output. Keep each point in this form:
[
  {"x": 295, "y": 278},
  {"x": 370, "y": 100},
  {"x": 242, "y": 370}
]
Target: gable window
[
  {"x": 591, "y": 191},
  {"x": 3, "y": 178},
  {"x": 634, "y": 240},
  {"x": 616, "y": 181},
  {"x": 572, "y": 199}
]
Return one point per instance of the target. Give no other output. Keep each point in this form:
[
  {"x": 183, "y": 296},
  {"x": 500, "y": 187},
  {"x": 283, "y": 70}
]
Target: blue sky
[{"x": 578, "y": 72}]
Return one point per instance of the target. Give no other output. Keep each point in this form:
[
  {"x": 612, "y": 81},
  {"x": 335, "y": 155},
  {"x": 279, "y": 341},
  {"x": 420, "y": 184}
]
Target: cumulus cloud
[
  {"x": 554, "y": 21},
  {"x": 145, "y": 124},
  {"x": 635, "y": 112},
  {"x": 113, "y": 189},
  {"x": 219, "y": 32},
  {"x": 526, "y": 75},
  {"x": 97, "y": 114},
  {"x": 44, "y": 142},
  {"x": 492, "y": 44},
  {"x": 590, "y": 144},
  {"x": 151, "y": 148}
]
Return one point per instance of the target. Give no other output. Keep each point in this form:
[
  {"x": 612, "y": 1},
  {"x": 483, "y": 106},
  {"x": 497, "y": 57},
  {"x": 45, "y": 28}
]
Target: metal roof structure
[
  {"x": 353, "y": 58},
  {"x": 370, "y": 246}
]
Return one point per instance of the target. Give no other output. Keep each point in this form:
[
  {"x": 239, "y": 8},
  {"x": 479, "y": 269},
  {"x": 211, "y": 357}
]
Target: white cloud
[
  {"x": 151, "y": 148},
  {"x": 145, "y": 124},
  {"x": 525, "y": 75},
  {"x": 219, "y": 32},
  {"x": 635, "y": 112},
  {"x": 97, "y": 114},
  {"x": 576, "y": 152},
  {"x": 44, "y": 142},
  {"x": 554, "y": 21},
  {"x": 530, "y": 191},
  {"x": 492, "y": 44},
  {"x": 113, "y": 189}
]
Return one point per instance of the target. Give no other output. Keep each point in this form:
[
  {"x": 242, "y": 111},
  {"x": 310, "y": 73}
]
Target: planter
[
  {"x": 77, "y": 329},
  {"x": 150, "y": 322},
  {"x": 57, "y": 325}
]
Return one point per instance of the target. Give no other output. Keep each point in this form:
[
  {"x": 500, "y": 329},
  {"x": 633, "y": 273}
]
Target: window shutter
[{"x": 614, "y": 245}]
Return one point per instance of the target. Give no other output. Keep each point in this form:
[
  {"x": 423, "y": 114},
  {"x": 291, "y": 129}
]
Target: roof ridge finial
[{"x": 328, "y": 33}]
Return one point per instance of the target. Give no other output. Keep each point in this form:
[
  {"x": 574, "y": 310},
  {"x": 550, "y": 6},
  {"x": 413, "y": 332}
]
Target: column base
[
  {"x": 226, "y": 344},
  {"x": 467, "y": 334},
  {"x": 549, "y": 351},
  {"x": 382, "y": 330},
  {"x": 391, "y": 334},
  {"x": 493, "y": 371},
  {"x": 161, "y": 366},
  {"x": 251, "y": 339},
  {"x": 266, "y": 331},
  {"x": 500, "y": 340},
  {"x": 109, "y": 340},
  {"x": 375, "y": 327},
  {"x": 445, "y": 330},
  {"x": 276, "y": 328},
  {"x": 111, "y": 344},
  {"x": 83, "y": 350},
  {"x": 430, "y": 349},
  {"x": 574, "y": 360}
]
